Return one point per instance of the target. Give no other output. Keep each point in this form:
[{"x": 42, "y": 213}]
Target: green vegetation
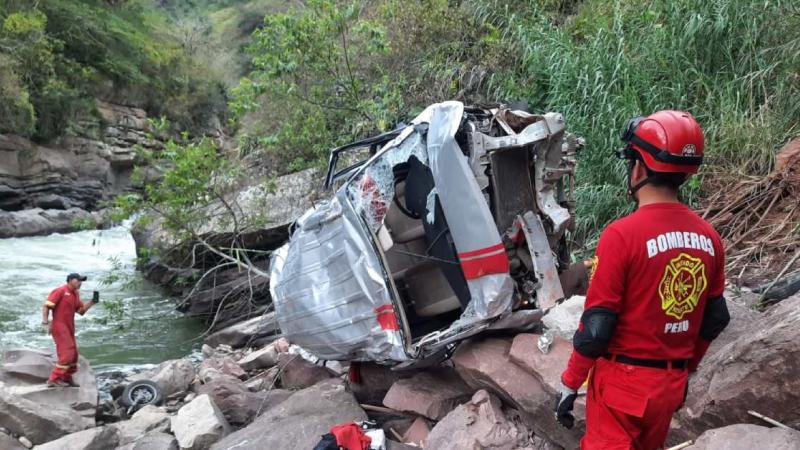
[
  {"x": 57, "y": 56},
  {"x": 333, "y": 71},
  {"x": 324, "y": 72}
]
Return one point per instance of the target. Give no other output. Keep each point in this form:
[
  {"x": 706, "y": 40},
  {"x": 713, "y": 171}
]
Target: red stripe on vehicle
[
  {"x": 487, "y": 265},
  {"x": 387, "y": 318},
  {"x": 481, "y": 251}
]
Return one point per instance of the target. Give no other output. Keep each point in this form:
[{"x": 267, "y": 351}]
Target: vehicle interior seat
[{"x": 435, "y": 282}]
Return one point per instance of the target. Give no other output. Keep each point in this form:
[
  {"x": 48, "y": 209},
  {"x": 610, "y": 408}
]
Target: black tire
[{"x": 140, "y": 393}]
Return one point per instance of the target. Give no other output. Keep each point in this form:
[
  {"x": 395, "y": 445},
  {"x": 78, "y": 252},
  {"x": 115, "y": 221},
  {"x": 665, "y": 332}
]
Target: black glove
[{"x": 564, "y": 404}]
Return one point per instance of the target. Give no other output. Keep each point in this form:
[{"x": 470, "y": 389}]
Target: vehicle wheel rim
[{"x": 143, "y": 395}]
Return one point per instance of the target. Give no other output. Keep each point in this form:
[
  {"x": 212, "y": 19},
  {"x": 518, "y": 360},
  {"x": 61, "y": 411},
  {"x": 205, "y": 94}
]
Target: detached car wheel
[{"x": 140, "y": 393}]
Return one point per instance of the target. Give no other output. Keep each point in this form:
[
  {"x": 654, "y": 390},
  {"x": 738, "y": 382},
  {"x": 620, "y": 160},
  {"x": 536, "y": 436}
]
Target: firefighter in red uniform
[
  {"x": 65, "y": 301},
  {"x": 655, "y": 300}
]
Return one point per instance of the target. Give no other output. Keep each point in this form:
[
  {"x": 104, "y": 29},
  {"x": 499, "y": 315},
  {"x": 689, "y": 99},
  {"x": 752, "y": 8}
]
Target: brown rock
[
  {"x": 430, "y": 394},
  {"x": 757, "y": 370},
  {"x": 298, "y": 422},
  {"x": 297, "y": 373},
  {"x": 480, "y": 423},
  {"x": 282, "y": 345},
  {"x": 374, "y": 381},
  {"x": 418, "y": 432},
  {"x": 262, "y": 358},
  {"x": 238, "y": 404},
  {"x": 744, "y": 436},
  {"x": 547, "y": 367},
  {"x": 225, "y": 365},
  {"x": 486, "y": 365}
]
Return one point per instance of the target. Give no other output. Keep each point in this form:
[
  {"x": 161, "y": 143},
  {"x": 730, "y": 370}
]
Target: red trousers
[
  {"x": 630, "y": 407},
  {"x": 67, "y": 353}
]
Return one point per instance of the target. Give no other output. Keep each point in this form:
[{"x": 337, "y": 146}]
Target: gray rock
[
  {"x": 263, "y": 358},
  {"x": 154, "y": 440},
  {"x": 757, "y": 369},
  {"x": 480, "y": 423},
  {"x": 563, "y": 318},
  {"x": 430, "y": 394},
  {"x": 297, "y": 373},
  {"x": 26, "y": 442},
  {"x": 240, "y": 334},
  {"x": 199, "y": 424},
  {"x": 267, "y": 379},
  {"x": 149, "y": 418},
  {"x": 9, "y": 443},
  {"x": 298, "y": 422},
  {"x": 485, "y": 364},
  {"x": 747, "y": 437},
  {"x": 172, "y": 376},
  {"x": 101, "y": 438},
  {"x": 238, "y": 404},
  {"x": 29, "y": 408}
]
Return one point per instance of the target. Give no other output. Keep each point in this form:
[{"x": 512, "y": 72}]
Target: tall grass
[{"x": 734, "y": 64}]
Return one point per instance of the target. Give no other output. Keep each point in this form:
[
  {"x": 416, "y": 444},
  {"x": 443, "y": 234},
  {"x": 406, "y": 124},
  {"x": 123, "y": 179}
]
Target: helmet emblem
[
  {"x": 689, "y": 150},
  {"x": 683, "y": 283}
]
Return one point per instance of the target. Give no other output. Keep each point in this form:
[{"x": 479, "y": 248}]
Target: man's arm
[
  {"x": 45, "y": 314},
  {"x": 598, "y": 322},
  {"x": 85, "y": 307}
]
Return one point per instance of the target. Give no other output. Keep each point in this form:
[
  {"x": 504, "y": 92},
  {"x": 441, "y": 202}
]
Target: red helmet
[{"x": 668, "y": 141}]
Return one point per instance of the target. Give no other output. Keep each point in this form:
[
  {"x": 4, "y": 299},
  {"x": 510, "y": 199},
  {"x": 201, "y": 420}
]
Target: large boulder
[
  {"x": 297, "y": 373},
  {"x": 430, "y": 394},
  {"x": 39, "y": 423},
  {"x": 238, "y": 404},
  {"x": 102, "y": 438},
  {"x": 29, "y": 408},
  {"x": 756, "y": 370},
  {"x": 171, "y": 376},
  {"x": 486, "y": 364},
  {"x": 300, "y": 421},
  {"x": 242, "y": 333},
  {"x": 745, "y": 436},
  {"x": 199, "y": 424},
  {"x": 480, "y": 423}
]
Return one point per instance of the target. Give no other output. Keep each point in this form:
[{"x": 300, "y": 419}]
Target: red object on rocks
[{"x": 350, "y": 436}]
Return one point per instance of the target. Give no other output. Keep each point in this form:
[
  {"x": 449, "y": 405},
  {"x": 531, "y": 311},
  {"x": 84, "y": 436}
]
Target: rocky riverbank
[
  {"x": 51, "y": 188},
  {"x": 255, "y": 390}
]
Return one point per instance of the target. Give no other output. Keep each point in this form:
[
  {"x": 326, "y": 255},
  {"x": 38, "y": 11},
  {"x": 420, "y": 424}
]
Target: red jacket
[{"x": 655, "y": 268}]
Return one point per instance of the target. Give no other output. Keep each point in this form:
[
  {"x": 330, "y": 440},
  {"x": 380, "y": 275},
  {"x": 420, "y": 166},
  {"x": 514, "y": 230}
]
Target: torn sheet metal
[
  {"x": 329, "y": 292},
  {"x": 482, "y": 254}
]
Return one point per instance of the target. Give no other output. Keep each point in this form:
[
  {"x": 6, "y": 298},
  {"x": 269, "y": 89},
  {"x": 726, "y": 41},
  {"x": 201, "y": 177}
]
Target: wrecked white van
[{"x": 451, "y": 225}]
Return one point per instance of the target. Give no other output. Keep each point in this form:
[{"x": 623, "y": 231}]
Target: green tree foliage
[
  {"x": 334, "y": 70},
  {"x": 61, "y": 54},
  {"x": 330, "y": 71}
]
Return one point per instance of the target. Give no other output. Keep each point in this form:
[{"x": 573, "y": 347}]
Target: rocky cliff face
[{"x": 43, "y": 189}]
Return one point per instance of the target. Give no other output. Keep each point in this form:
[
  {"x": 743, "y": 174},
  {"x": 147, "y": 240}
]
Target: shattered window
[{"x": 372, "y": 192}]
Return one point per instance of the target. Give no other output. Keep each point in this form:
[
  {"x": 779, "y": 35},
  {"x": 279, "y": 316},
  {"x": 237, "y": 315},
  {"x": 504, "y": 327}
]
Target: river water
[{"x": 134, "y": 325}]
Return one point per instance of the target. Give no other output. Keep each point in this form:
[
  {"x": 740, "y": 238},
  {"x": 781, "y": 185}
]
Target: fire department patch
[{"x": 683, "y": 283}]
